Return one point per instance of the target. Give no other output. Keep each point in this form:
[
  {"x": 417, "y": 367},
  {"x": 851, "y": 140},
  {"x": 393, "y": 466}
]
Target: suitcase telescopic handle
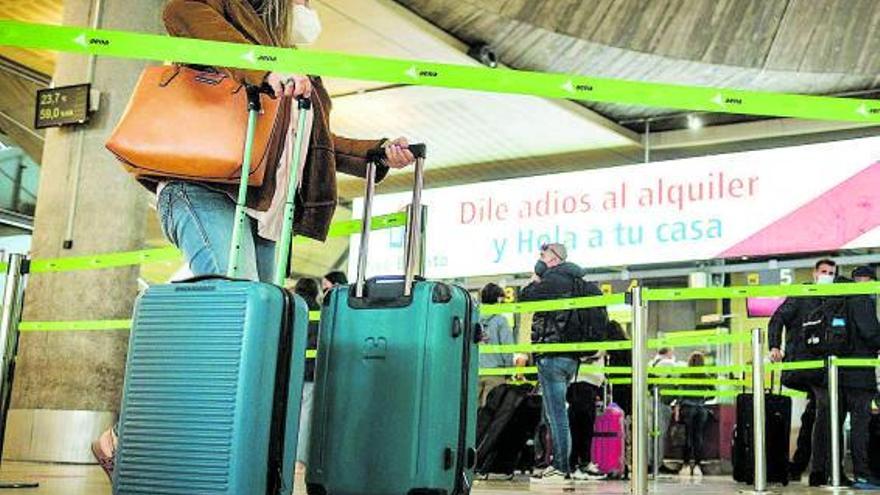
[{"x": 413, "y": 220}]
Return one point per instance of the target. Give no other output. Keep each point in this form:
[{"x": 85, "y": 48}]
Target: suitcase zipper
[
  {"x": 277, "y": 430},
  {"x": 462, "y": 484}
]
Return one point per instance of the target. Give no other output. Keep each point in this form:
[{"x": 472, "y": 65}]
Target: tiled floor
[{"x": 57, "y": 479}]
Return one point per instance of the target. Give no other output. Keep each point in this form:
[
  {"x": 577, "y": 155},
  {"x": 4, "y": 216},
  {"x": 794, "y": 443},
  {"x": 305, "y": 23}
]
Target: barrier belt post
[
  {"x": 639, "y": 394},
  {"x": 758, "y": 411},
  {"x": 834, "y": 418},
  {"x": 9, "y": 319},
  {"x": 655, "y": 437}
]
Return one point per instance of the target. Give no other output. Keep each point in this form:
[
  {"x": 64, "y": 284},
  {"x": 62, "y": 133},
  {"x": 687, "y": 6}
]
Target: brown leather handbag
[{"x": 183, "y": 123}]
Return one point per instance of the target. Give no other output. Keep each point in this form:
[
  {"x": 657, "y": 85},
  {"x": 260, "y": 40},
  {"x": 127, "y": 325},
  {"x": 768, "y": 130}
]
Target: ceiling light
[{"x": 694, "y": 122}]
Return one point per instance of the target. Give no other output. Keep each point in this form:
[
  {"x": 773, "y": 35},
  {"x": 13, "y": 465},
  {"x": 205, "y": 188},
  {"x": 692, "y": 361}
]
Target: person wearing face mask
[
  {"x": 198, "y": 217},
  {"x": 788, "y": 319},
  {"x": 556, "y": 278}
]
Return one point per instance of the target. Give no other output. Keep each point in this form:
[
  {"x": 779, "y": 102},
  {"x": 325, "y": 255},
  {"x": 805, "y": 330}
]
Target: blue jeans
[
  {"x": 305, "y": 422},
  {"x": 199, "y": 222},
  {"x": 554, "y": 374}
]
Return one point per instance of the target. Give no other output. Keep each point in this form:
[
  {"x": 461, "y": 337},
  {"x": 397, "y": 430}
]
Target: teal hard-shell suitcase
[
  {"x": 214, "y": 376},
  {"x": 395, "y": 384}
]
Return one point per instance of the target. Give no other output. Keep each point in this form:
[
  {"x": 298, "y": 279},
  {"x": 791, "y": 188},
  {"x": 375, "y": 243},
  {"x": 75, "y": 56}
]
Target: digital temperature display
[{"x": 66, "y": 105}]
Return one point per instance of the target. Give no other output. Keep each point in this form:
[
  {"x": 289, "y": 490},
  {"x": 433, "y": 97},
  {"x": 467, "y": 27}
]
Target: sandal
[{"x": 106, "y": 462}]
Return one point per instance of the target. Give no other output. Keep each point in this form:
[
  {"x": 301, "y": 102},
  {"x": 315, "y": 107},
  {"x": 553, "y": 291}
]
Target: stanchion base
[
  {"x": 18, "y": 484},
  {"x": 662, "y": 477}
]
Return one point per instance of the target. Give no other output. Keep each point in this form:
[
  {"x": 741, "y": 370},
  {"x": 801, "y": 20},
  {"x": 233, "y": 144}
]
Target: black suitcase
[
  {"x": 504, "y": 427},
  {"x": 874, "y": 447},
  {"x": 777, "y": 438}
]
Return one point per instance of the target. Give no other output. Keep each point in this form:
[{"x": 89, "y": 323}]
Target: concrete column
[{"x": 62, "y": 372}]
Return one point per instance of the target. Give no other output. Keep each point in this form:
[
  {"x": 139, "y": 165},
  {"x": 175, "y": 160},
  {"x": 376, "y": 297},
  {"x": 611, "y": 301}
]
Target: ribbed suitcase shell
[
  {"x": 200, "y": 380},
  {"x": 388, "y": 395}
]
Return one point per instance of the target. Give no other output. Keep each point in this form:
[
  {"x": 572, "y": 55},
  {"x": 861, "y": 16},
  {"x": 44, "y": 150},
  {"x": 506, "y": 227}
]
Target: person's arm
[
  {"x": 782, "y": 318},
  {"x": 204, "y": 19},
  {"x": 863, "y": 312},
  {"x": 598, "y": 317},
  {"x": 351, "y": 156},
  {"x": 505, "y": 337},
  {"x": 540, "y": 289},
  {"x": 529, "y": 292},
  {"x": 524, "y": 336}
]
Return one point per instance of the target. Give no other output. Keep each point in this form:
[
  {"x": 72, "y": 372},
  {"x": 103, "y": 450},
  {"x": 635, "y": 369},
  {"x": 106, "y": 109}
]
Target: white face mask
[
  {"x": 306, "y": 25},
  {"x": 824, "y": 279}
]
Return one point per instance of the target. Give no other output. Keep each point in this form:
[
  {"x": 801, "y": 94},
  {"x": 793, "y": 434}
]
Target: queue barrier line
[
  {"x": 681, "y": 334},
  {"x": 699, "y": 393},
  {"x": 863, "y": 288},
  {"x": 707, "y": 393},
  {"x": 517, "y": 370},
  {"x": 108, "y": 260},
  {"x": 107, "y": 43},
  {"x": 62, "y": 326},
  {"x": 125, "y": 324},
  {"x": 796, "y": 365},
  {"x": 347, "y": 228},
  {"x": 531, "y": 370},
  {"x": 612, "y": 345},
  {"x": 553, "y": 348},
  {"x": 171, "y": 253},
  {"x": 857, "y": 362},
  {"x": 553, "y": 305},
  {"x": 719, "y": 394},
  {"x": 697, "y": 381},
  {"x": 694, "y": 370},
  {"x": 89, "y": 325},
  {"x": 683, "y": 382},
  {"x": 733, "y": 338},
  {"x": 740, "y": 292}
]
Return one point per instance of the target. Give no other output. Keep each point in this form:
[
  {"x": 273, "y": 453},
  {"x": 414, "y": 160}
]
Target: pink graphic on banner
[{"x": 829, "y": 222}]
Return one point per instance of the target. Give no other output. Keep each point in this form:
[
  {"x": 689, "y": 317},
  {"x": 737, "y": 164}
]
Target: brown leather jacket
[{"x": 236, "y": 21}]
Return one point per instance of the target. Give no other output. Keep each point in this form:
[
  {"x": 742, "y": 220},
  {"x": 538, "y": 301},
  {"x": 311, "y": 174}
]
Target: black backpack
[
  {"x": 585, "y": 324},
  {"x": 826, "y": 329}
]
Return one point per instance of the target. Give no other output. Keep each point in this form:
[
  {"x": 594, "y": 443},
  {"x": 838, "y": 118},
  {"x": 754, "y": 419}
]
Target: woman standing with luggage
[{"x": 198, "y": 218}]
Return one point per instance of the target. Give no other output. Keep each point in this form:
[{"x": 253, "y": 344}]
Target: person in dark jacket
[
  {"x": 554, "y": 278},
  {"x": 858, "y": 386},
  {"x": 307, "y": 288},
  {"x": 692, "y": 411},
  {"x": 620, "y": 358},
  {"x": 789, "y": 318}
]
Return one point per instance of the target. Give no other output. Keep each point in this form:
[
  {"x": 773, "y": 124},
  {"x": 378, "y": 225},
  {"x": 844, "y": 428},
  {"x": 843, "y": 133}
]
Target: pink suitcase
[{"x": 609, "y": 442}]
